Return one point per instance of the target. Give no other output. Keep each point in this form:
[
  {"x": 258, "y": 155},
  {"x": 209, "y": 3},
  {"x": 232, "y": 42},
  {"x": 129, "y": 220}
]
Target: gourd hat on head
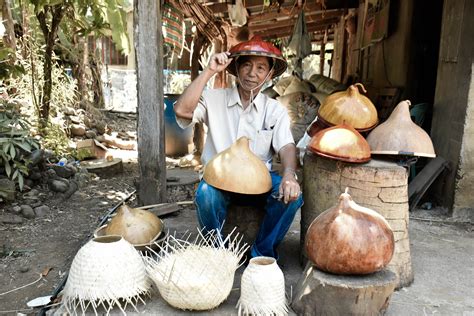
[{"x": 257, "y": 47}]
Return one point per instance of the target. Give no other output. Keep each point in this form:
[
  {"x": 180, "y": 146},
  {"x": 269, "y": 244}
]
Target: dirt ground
[{"x": 443, "y": 253}]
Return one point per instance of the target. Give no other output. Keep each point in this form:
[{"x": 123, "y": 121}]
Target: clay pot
[
  {"x": 349, "y": 239},
  {"x": 237, "y": 169},
  {"x": 136, "y": 226},
  {"x": 341, "y": 142},
  {"x": 399, "y": 135},
  {"x": 351, "y": 107}
]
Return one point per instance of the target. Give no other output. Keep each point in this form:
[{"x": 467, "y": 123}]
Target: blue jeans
[{"x": 212, "y": 203}]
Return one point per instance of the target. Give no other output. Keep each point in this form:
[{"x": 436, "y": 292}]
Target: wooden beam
[
  {"x": 287, "y": 31},
  {"x": 278, "y": 16},
  {"x": 290, "y": 23},
  {"x": 150, "y": 124}
]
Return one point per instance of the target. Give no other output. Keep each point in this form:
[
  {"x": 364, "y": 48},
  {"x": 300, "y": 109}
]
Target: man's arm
[
  {"x": 188, "y": 101},
  {"x": 289, "y": 187}
]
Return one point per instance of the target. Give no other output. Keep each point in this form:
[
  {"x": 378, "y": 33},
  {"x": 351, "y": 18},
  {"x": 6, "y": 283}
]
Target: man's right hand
[{"x": 219, "y": 62}]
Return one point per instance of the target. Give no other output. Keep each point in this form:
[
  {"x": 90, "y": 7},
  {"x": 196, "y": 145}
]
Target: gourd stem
[{"x": 361, "y": 86}]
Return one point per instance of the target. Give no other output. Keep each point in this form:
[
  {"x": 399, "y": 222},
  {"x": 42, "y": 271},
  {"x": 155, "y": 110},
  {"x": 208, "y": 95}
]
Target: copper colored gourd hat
[
  {"x": 340, "y": 142},
  {"x": 257, "y": 47}
]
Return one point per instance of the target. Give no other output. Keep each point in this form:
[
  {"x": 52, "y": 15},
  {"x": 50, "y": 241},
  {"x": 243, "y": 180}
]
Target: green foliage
[
  {"x": 57, "y": 141},
  {"x": 15, "y": 142},
  {"x": 28, "y": 88}
]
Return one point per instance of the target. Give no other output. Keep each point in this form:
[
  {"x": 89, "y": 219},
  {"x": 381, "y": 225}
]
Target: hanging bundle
[
  {"x": 237, "y": 13},
  {"x": 300, "y": 42}
]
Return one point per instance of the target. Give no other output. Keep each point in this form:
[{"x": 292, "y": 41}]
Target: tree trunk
[
  {"x": 9, "y": 37},
  {"x": 57, "y": 13},
  {"x": 151, "y": 138}
]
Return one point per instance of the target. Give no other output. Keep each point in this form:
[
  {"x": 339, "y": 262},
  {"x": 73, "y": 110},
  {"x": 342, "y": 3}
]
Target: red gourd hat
[{"x": 257, "y": 47}]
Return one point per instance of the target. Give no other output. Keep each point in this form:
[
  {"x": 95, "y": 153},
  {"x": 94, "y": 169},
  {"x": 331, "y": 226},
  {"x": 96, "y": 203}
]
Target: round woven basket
[
  {"x": 194, "y": 276},
  {"x": 106, "y": 271},
  {"x": 262, "y": 290}
]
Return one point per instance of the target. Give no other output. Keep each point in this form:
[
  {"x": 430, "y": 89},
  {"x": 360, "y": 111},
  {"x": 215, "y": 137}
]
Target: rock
[
  {"x": 91, "y": 134},
  {"x": 32, "y": 192},
  {"x": 24, "y": 269},
  {"x": 69, "y": 111},
  {"x": 63, "y": 171},
  {"x": 101, "y": 127},
  {"x": 41, "y": 211},
  {"x": 7, "y": 189},
  {"x": 28, "y": 183},
  {"x": 73, "y": 186},
  {"x": 51, "y": 174},
  {"x": 35, "y": 176},
  {"x": 75, "y": 119},
  {"x": 35, "y": 157},
  {"x": 36, "y": 204},
  {"x": 58, "y": 186},
  {"x": 88, "y": 122},
  {"x": 27, "y": 211},
  {"x": 77, "y": 130},
  {"x": 10, "y": 219},
  {"x": 16, "y": 209}
]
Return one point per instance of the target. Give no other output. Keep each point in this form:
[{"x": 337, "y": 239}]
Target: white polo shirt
[{"x": 266, "y": 123}]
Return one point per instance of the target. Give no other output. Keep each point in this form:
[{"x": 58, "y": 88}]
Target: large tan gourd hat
[
  {"x": 399, "y": 135},
  {"x": 350, "y": 107},
  {"x": 341, "y": 142},
  {"x": 238, "y": 170}
]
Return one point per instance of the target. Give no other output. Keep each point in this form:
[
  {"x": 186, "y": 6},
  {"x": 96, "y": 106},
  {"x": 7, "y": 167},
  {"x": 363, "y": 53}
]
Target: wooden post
[
  {"x": 198, "y": 129},
  {"x": 379, "y": 185},
  {"x": 151, "y": 138}
]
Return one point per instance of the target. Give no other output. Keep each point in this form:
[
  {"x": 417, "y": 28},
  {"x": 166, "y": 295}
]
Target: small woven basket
[
  {"x": 107, "y": 271},
  {"x": 195, "y": 275},
  {"x": 262, "y": 290}
]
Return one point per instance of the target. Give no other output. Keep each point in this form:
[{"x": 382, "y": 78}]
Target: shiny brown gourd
[
  {"x": 136, "y": 226},
  {"x": 349, "y": 239}
]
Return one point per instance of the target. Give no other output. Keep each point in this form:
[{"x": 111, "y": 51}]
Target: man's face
[{"x": 253, "y": 70}]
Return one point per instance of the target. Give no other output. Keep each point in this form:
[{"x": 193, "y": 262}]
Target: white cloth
[{"x": 266, "y": 123}]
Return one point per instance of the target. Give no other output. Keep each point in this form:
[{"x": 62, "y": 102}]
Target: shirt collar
[{"x": 258, "y": 102}]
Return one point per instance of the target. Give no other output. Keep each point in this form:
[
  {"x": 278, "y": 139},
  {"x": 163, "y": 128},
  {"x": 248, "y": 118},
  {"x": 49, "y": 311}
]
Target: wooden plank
[
  {"x": 151, "y": 141},
  {"x": 418, "y": 186}
]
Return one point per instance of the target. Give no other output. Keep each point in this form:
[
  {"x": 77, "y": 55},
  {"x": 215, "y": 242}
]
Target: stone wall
[{"x": 463, "y": 198}]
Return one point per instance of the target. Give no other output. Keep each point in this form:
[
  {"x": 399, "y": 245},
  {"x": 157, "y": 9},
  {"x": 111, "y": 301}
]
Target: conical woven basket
[
  {"x": 262, "y": 290},
  {"x": 105, "y": 272},
  {"x": 196, "y": 275}
]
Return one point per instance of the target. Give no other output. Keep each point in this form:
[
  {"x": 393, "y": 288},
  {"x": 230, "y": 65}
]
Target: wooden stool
[
  {"x": 379, "y": 185},
  {"x": 246, "y": 219},
  {"x": 320, "y": 293}
]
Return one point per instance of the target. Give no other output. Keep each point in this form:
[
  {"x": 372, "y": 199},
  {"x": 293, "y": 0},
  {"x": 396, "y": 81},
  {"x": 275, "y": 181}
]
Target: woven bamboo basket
[
  {"x": 262, "y": 289},
  {"x": 106, "y": 272},
  {"x": 196, "y": 275}
]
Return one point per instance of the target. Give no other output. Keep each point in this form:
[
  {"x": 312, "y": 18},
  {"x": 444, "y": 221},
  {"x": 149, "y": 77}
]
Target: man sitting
[{"x": 243, "y": 111}]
